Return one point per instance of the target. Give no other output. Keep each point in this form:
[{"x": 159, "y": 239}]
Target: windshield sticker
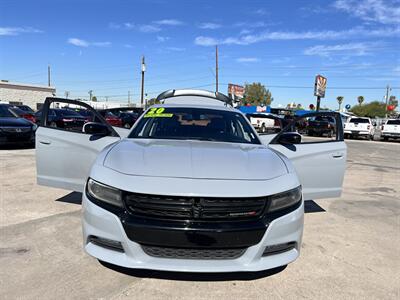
[{"x": 156, "y": 112}]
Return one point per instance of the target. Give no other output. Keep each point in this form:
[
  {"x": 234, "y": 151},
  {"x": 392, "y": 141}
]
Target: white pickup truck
[
  {"x": 265, "y": 123},
  {"x": 357, "y": 126},
  {"x": 391, "y": 129}
]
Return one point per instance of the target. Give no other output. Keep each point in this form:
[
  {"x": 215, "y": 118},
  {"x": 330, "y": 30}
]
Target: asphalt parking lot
[{"x": 350, "y": 245}]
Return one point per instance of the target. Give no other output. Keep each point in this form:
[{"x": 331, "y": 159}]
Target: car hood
[
  {"x": 194, "y": 159},
  {"x": 14, "y": 122}
]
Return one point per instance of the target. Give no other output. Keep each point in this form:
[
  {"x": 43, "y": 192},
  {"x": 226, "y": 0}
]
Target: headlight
[
  {"x": 285, "y": 199},
  {"x": 104, "y": 193}
]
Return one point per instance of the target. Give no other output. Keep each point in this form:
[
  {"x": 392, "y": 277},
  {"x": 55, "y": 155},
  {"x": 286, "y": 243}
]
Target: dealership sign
[
  {"x": 320, "y": 86},
  {"x": 235, "y": 90}
]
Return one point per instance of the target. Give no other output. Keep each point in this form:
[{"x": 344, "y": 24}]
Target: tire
[
  {"x": 310, "y": 133},
  {"x": 371, "y": 137},
  {"x": 330, "y": 133},
  {"x": 385, "y": 138}
]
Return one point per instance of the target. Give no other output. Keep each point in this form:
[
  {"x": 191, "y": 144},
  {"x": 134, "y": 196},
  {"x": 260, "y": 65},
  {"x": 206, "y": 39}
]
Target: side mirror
[
  {"x": 289, "y": 138},
  {"x": 95, "y": 128}
]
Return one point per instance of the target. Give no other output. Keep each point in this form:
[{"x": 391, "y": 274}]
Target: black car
[
  {"x": 63, "y": 118},
  {"x": 15, "y": 130},
  {"x": 321, "y": 125},
  {"x": 128, "y": 118}
]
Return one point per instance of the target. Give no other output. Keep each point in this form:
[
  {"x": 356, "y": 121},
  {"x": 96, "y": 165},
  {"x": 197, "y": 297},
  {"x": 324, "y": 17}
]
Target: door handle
[
  {"x": 45, "y": 142},
  {"x": 337, "y": 155}
]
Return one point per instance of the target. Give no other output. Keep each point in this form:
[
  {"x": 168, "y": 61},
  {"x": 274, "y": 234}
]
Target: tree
[
  {"x": 393, "y": 101},
  {"x": 256, "y": 94},
  {"x": 360, "y": 100},
  {"x": 372, "y": 110},
  {"x": 94, "y": 99},
  {"x": 340, "y": 101}
]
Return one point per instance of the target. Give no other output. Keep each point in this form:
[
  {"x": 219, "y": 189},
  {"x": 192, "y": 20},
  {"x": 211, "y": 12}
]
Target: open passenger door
[
  {"x": 315, "y": 146},
  {"x": 70, "y": 136}
]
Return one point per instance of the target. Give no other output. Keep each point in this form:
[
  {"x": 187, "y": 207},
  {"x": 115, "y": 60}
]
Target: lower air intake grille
[{"x": 188, "y": 253}]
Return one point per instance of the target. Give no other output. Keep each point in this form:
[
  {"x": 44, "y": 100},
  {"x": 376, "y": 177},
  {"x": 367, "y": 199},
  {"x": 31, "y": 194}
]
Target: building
[{"x": 21, "y": 93}]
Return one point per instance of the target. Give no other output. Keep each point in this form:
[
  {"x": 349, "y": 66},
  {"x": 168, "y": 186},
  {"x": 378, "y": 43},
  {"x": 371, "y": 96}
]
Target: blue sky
[{"x": 283, "y": 44}]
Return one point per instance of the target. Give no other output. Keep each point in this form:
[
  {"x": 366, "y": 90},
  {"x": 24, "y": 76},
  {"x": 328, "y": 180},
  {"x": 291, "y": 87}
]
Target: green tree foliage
[
  {"x": 372, "y": 110},
  {"x": 360, "y": 100},
  {"x": 256, "y": 94},
  {"x": 393, "y": 101},
  {"x": 94, "y": 99},
  {"x": 340, "y": 101}
]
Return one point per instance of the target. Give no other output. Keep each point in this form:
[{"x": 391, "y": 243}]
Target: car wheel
[
  {"x": 385, "y": 138},
  {"x": 127, "y": 125},
  {"x": 53, "y": 124},
  {"x": 371, "y": 137}
]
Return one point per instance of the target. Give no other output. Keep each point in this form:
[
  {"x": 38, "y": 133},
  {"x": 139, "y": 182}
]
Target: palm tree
[
  {"x": 340, "y": 101},
  {"x": 360, "y": 99}
]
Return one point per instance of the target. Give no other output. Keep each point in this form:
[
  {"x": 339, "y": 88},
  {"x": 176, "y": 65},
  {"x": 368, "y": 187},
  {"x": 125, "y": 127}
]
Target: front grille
[
  {"x": 194, "y": 208},
  {"x": 16, "y": 129},
  {"x": 189, "y": 253}
]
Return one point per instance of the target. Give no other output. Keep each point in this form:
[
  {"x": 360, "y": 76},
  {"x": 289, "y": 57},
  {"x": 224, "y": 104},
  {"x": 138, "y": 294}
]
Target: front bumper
[{"x": 104, "y": 224}]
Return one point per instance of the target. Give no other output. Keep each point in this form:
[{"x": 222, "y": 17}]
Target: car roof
[{"x": 203, "y": 106}]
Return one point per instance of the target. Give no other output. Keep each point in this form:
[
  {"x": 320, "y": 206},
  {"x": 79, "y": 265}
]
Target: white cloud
[
  {"x": 18, "y": 30},
  {"x": 381, "y": 11},
  {"x": 350, "y": 49},
  {"x": 149, "y": 28},
  {"x": 209, "y": 25},
  {"x": 356, "y": 32},
  {"x": 85, "y": 44},
  {"x": 177, "y": 49},
  {"x": 205, "y": 41},
  {"x": 261, "y": 12},
  {"x": 78, "y": 42},
  {"x": 162, "y": 39},
  {"x": 169, "y": 22},
  {"x": 247, "y": 59}
]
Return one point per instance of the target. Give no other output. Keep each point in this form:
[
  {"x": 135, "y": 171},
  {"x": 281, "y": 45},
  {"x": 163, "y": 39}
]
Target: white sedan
[{"x": 191, "y": 187}]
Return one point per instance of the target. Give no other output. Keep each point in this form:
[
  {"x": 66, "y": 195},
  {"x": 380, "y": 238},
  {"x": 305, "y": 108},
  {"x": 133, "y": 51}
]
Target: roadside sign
[
  {"x": 235, "y": 90},
  {"x": 348, "y": 106},
  {"x": 311, "y": 106},
  {"x": 320, "y": 86}
]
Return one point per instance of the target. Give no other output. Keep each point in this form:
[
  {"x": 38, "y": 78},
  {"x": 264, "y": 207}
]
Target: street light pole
[
  {"x": 143, "y": 68},
  {"x": 216, "y": 68}
]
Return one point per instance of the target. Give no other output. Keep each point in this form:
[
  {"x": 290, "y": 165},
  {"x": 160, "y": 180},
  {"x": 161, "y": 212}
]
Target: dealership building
[{"x": 28, "y": 94}]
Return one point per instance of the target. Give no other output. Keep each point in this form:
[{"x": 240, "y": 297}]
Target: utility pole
[
  {"x": 48, "y": 76},
  {"x": 143, "y": 68},
  {"x": 216, "y": 68},
  {"x": 129, "y": 97},
  {"x": 387, "y": 100},
  {"x": 66, "y": 94},
  {"x": 90, "y": 95}
]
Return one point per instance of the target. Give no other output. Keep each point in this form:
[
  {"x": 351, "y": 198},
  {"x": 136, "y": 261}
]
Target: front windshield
[
  {"x": 194, "y": 124},
  {"x": 5, "y": 112}
]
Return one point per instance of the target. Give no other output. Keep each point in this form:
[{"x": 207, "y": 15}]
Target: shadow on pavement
[
  {"x": 17, "y": 146},
  {"x": 185, "y": 276},
  {"x": 310, "y": 206},
  {"x": 74, "y": 198}
]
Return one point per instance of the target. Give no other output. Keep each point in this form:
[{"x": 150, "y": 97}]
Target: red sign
[
  {"x": 320, "y": 86},
  {"x": 236, "y": 90},
  {"x": 311, "y": 106},
  {"x": 390, "y": 107}
]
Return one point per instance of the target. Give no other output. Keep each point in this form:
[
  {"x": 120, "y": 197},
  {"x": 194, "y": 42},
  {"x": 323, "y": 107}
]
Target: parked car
[
  {"x": 111, "y": 118},
  {"x": 14, "y": 129},
  {"x": 265, "y": 122},
  {"x": 128, "y": 118},
  {"x": 359, "y": 127},
  {"x": 23, "y": 113},
  {"x": 192, "y": 187},
  {"x": 391, "y": 129},
  {"x": 321, "y": 125},
  {"x": 25, "y": 108},
  {"x": 63, "y": 118}
]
